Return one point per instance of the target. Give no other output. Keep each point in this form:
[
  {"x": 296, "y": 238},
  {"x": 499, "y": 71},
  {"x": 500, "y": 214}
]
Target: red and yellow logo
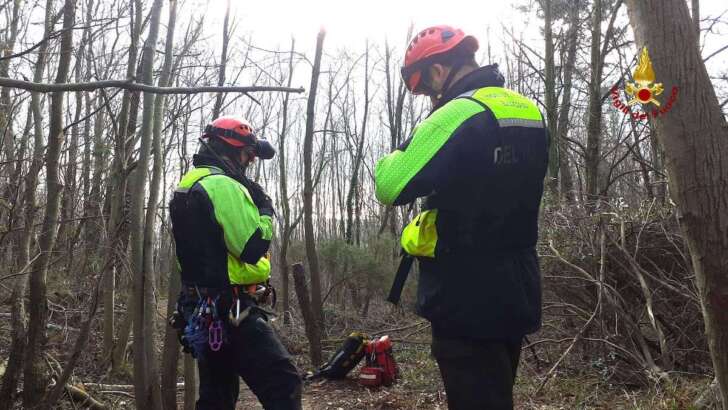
[{"x": 643, "y": 91}]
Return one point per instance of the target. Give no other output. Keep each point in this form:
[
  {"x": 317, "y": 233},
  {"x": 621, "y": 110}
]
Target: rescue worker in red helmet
[
  {"x": 479, "y": 159},
  {"x": 222, "y": 225}
]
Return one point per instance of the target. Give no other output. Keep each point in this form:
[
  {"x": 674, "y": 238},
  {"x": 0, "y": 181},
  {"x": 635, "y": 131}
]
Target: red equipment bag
[
  {"x": 380, "y": 368},
  {"x": 370, "y": 376}
]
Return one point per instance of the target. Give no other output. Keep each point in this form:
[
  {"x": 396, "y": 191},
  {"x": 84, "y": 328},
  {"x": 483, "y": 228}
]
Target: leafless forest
[{"x": 101, "y": 105}]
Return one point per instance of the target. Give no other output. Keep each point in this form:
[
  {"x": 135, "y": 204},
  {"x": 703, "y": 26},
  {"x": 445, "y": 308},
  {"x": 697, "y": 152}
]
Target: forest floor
[{"x": 577, "y": 384}]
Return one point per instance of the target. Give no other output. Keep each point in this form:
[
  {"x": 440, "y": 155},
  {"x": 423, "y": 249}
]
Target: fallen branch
[
  {"x": 411, "y": 342},
  {"x": 117, "y": 387},
  {"x": 424, "y": 326},
  {"x": 81, "y": 397},
  {"x": 397, "y": 329},
  {"x": 120, "y": 393},
  {"x": 404, "y": 341},
  {"x": 132, "y": 86}
]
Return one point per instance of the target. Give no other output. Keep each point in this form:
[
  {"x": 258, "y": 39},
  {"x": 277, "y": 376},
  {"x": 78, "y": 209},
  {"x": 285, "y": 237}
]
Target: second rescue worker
[
  {"x": 480, "y": 159},
  {"x": 222, "y": 225}
]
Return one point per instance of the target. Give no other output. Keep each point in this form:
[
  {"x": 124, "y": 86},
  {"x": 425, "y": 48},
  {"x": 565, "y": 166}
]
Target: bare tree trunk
[
  {"x": 67, "y": 231},
  {"x": 170, "y": 353},
  {"x": 93, "y": 238},
  {"x": 6, "y": 123},
  {"x": 147, "y": 391},
  {"x": 17, "y": 346},
  {"x": 551, "y": 108},
  {"x": 285, "y": 206},
  {"x": 308, "y": 184},
  {"x": 118, "y": 196},
  {"x": 34, "y": 382},
  {"x": 190, "y": 382},
  {"x": 354, "y": 183},
  {"x": 18, "y": 316},
  {"x": 695, "y": 139},
  {"x": 696, "y": 20},
  {"x": 223, "y": 60},
  {"x": 567, "y": 184},
  {"x": 313, "y": 334},
  {"x": 123, "y": 333},
  {"x": 86, "y": 164},
  {"x": 395, "y": 104},
  {"x": 594, "y": 121}
]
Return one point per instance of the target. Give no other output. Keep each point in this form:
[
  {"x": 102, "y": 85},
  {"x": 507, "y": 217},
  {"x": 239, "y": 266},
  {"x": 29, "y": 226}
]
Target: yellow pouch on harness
[{"x": 419, "y": 237}]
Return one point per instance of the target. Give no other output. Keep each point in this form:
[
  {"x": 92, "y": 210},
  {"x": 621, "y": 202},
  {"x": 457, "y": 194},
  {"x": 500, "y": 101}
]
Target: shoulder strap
[
  {"x": 187, "y": 187},
  {"x": 509, "y": 108},
  {"x": 400, "y": 278}
]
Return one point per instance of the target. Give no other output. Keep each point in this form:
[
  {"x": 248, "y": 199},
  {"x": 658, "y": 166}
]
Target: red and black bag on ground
[{"x": 380, "y": 368}]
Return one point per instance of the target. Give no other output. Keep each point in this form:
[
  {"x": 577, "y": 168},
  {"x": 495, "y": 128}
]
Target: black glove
[{"x": 260, "y": 198}]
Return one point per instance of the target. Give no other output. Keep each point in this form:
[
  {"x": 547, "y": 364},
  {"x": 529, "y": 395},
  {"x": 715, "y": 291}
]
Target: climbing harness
[{"x": 204, "y": 327}]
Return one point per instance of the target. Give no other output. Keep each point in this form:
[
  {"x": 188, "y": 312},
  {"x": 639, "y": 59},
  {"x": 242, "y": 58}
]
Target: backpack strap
[
  {"x": 186, "y": 189},
  {"x": 405, "y": 265}
]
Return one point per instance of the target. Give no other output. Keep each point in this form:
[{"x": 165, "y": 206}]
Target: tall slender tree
[
  {"x": 285, "y": 236},
  {"x": 308, "y": 184},
  {"x": 594, "y": 119},
  {"x": 551, "y": 101},
  {"x": 223, "y": 60},
  {"x": 34, "y": 382},
  {"x": 146, "y": 377},
  {"x": 694, "y": 135}
]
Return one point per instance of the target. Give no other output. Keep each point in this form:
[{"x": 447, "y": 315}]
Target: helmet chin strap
[
  {"x": 237, "y": 164},
  {"x": 450, "y": 76},
  {"x": 232, "y": 166}
]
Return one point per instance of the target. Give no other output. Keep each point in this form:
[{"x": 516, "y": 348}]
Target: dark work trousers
[
  {"x": 251, "y": 351},
  {"x": 478, "y": 374}
]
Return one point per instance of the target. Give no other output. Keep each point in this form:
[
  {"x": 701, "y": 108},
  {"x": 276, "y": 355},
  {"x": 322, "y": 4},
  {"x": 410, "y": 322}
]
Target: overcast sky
[{"x": 349, "y": 23}]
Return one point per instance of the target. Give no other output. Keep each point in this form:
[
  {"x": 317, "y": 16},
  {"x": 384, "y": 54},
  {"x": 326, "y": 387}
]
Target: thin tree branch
[
  {"x": 132, "y": 86},
  {"x": 716, "y": 52}
]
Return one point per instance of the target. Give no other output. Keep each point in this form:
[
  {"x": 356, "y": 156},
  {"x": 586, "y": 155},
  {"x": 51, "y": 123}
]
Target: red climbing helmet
[
  {"x": 429, "y": 45},
  {"x": 234, "y": 131}
]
